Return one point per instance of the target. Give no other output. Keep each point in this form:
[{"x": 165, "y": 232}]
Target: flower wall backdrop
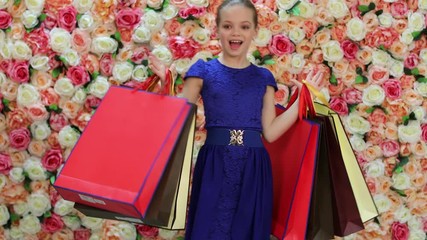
[{"x": 59, "y": 57}]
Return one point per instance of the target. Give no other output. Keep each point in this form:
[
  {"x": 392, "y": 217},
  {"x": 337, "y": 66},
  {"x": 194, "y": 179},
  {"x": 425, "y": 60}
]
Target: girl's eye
[
  {"x": 227, "y": 26},
  {"x": 246, "y": 27}
]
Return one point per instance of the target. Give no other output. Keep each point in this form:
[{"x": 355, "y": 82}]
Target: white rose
[
  {"x": 35, "y": 170},
  {"x": 16, "y": 174},
  {"x": 82, "y": 6},
  {"x": 170, "y": 12},
  {"x": 382, "y": 202},
  {"x": 357, "y": 143},
  {"x": 127, "y": 231},
  {"x": 423, "y": 55},
  {"x": 198, "y": 3},
  {"x": 21, "y": 51},
  {"x": 297, "y": 63},
  {"x": 307, "y": 9},
  {"x": 63, "y": 207},
  {"x": 406, "y": 36},
  {"x": 101, "y": 45},
  {"x": 21, "y": 208},
  {"x": 167, "y": 234},
  {"x": 154, "y": 4},
  {"x": 337, "y": 8},
  {"x": 122, "y": 71},
  {"x": 38, "y": 203},
  {"x": 27, "y": 95},
  {"x": 396, "y": 68},
  {"x": 35, "y": 5},
  {"x": 401, "y": 181},
  {"x": 356, "y": 29},
  {"x": 285, "y": 4},
  {"x": 410, "y": 133},
  {"x": 99, "y": 87},
  {"x": 283, "y": 15},
  {"x": 421, "y": 88},
  {"x": 79, "y": 96},
  {"x": 16, "y": 233},
  {"x": 201, "y": 35},
  {"x": 29, "y": 224},
  {"x": 140, "y": 73},
  {"x": 422, "y": 4},
  {"x": 373, "y": 95},
  {"x": 64, "y": 87},
  {"x": 86, "y": 22},
  {"x": 6, "y": 50},
  {"x": 5, "y": 3},
  {"x": 29, "y": 18},
  {"x": 332, "y": 51},
  {"x": 6, "y": 88},
  {"x": 419, "y": 112},
  {"x": 403, "y": 214},
  {"x": 141, "y": 34},
  {"x": 182, "y": 65},
  {"x": 40, "y": 130},
  {"x": 153, "y": 21},
  {"x": 356, "y": 124},
  {"x": 163, "y": 54},
  {"x": 4, "y": 214},
  {"x": 95, "y": 236},
  {"x": 72, "y": 222},
  {"x": 416, "y": 21},
  {"x": 3, "y": 181},
  {"x": 417, "y": 234},
  {"x": 60, "y": 40},
  {"x": 415, "y": 223},
  {"x": 296, "y": 35},
  {"x": 381, "y": 58},
  {"x": 263, "y": 37},
  {"x": 204, "y": 55},
  {"x": 375, "y": 168},
  {"x": 68, "y": 137},
  {"x": 92, "y": 223},
  {"x": 3, "y": 78},
  {"x": 40, "y": 63},
  {"x": 71, "y": 56},
  {"x": 386, "y": 19}
]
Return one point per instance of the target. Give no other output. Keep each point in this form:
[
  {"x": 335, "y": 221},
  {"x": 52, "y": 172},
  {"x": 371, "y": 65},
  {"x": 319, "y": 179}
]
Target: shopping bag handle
[
  {"x": 306, "y": 106},
  {"x": 149, "y": 84}
]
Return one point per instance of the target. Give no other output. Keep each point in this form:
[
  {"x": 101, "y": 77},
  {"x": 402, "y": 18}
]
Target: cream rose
[
  {"x": 167, "y": 234},
  {"x": 410, "y": 133},
  {"x": 357, "y": 143},
  {"x": 92, "y": 223},
  {"x": 381, "y": 58},
  {"x": 64, "y": 87},
  {"x": 29, "y": 224},
  {"x": 16, "y": 233},
  {"x": 6, "y": 50},
  {"x": 421, "y": 88},
  {"x": 296, "y": 35},
  {"x": 72, "y": 222},
  {"x": 422, "y": 4},
  {"x": 423, "y": 55},
  {"x": 127, "y": 231},
  {"x": 16, "y": 174},
  {"x": 283, "y": 15},
  {"x": 21, "y": 51},
  {"x": 356, "y": 124},
  {"x": 204, "y": 55},
  {"x": 35, "y": 5},
  {"x": 332, "y": 51},
  {"x": 141, "y": 34},
  {"x": 3, "y": 78},
  {"x": 401, "y": 181},
  {"x": 382, "y": 202},
  {"x": 5, "y": 3},
  {"x": 356, "y": 29},
  {"x": 140, "y": 73},
  {"x": 40, "y": 63},
  {"x": 122, "y": 71},
  {"x": 420, "y": 112},
  {"x": 71, "y": 56},
  {"x": 163, "y": 54},
  {"x": 386, "y": 19},
  {"x": 375, "y": 168},
  {"x": 406, "y": 36},
  {"x": 40, "y": 130},
  {"x": 170, "y": 12},
  {"x": 21, "y": 208},
  {"x": 285, "y": 4},
  {"x": 307, "y": 9},
  {"x": 27, "y": 95},
  {"x": 60, "y": 40},
  {"x": 201, "y": 35},
  {"x": 416, "y": 234},
  {"x": 29, "y": 18},
  {"x": 99, "y": 86},
  {"x": 396, "y": 68},
  {"x": 337, "y": 8},
  {"x": 63, "y": 207},
  {"x": 263, "y": 37},
  {"x": 182, "y": 65},
  {"x": 79, "y": 96},
  {"x": 416, "y": 21},
  {"x": 86, "y": 22},
  {"x": 101, "y": 45},
  {"x": 83, "y": 6},
  {"x": 297, "y": 63},
  {"x": 3, "y": 181},
  {"x": 198, "y": 3},
  {"x": 4, "y": 214},
  {"x": 38, "y": 203},
  {"x": 153, "y": 21},
  {"x": 34, "y": 169},
  {"x": 68, "y": 137},
  {"x": 373, "y": 95}
]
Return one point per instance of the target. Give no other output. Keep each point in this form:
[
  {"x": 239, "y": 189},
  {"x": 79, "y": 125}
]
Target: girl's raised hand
[
  {"x": 158, "y": 67},
  {"x": 314, "y": 79}
]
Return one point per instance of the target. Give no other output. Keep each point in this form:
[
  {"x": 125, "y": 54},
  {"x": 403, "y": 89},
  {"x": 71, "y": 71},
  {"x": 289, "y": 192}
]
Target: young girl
[{"x": 231, "y": 194}]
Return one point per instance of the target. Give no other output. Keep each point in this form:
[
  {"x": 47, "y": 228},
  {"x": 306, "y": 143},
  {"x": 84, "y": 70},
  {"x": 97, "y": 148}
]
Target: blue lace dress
[{"x": 231, "y": 194}]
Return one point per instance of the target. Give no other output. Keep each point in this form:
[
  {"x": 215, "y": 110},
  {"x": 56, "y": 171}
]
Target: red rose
[
  {"x": 106, "y": 64},
  {"x": 50, "y": 21},
  {"x": 350, "y": 49},
  {"x": 38, "y": 40},
  {"x": 339, "y": 105},
  {"x": 424, "y": 132},
  {"x": 20, "y": 138},
  {"x": 192, "y": 11},
  {"x": 52, "y": 159},
  {"x": 78, "y": 75},
  {"x": 92, "y": 102},
  {"x": 390, "y": 148},
  {"x": 5, "y": 19},
  {"x": 399, "y": 231},
  {"x": 52, "y": 224},
  {"x": 128, "y": 18},
  {"x": 67, "y": 18},
  {"x": 281, "y": 45},
  {"x": 20, "y": 71},
  {"x": 57, "y": 121},
  {"x": 5, "y": 163},
  {"x": 147, "y": 231},
  {"x": 183, "y": 47},
  {"x": 392, "y": 89},
  {"x": 82, "y": 234},
  {"x": 399, "y": 9},
  {"x": 411, "y": 61}
]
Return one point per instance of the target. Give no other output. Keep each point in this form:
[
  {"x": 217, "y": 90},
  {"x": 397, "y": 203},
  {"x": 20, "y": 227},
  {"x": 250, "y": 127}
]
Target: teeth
[{"x": 236, "y": 41}]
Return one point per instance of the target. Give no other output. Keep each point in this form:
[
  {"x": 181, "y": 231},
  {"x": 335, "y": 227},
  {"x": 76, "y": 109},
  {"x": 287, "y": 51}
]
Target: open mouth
[{"x": 235, "y": 44}]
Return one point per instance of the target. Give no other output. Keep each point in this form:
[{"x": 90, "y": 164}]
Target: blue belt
[{"x": 234, "y": 137}]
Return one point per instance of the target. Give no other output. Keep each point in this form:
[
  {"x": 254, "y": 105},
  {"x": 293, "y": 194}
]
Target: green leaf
[
  {"x": 16, "y": 2},
  {"x": 405, "y": 120},
  {"x": 181, "y": 20},
  {"x": 27, "y": 183},
  {"x": 352, "y": 107},
  {"x": 75, "y": 128},
  {"x": 359, "y": 79},
  {"x": 79, "y": 16},
  {"x": 363, "y": 8},
  {"x": 179, "y": 80},
  {"x": 399, "y": 166},
  {"x": 359, "y": 70},
  {"x": 400, "y": 192},
  {"x": 180, "y": 238},
  {"x": 130, "y": 61},
  {"x": 416, "y": 34},
  {"x": 256, "y": 54},
  {"x": 415, "y": 71},
  {"x": 138, "y": 237},
  {"x": 407, "y": 71},
  {"x": 379, "y": 12},
  {"x": 370, "y": 110},
  {"x": 292, "y": 9},
  {"x": 422, "y": 80},
  {"x": 371, "y": 6},
  {"x": 14, "y": 217},
  {"x": 117, "y": 36},
  {"x": 9, "y": 29},
  {"x": 5, "y": 102},
  {"x": 412, "y": 116},
  {"x": 382, "y": 47},
  {"x": 52, "y": 179},
  {"x": 269, "y": 62},
  {"x": 56, "y": 72},
  {"x": 94, "y": 75},
  {"x": 47, "y": 214},
  {"x": 296, "y": 11},
  {"x": 42, "y": 17},
  {"x": 333, "y": 80}
]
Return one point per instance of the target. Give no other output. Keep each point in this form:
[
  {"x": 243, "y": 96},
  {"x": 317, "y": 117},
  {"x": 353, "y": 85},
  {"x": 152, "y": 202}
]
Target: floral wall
[{"x": 59, "y": 57}]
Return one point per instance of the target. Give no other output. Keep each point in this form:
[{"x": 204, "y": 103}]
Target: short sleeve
[
  {"x": 196, "y": 70},
  {"x": 270, "y": 80}
]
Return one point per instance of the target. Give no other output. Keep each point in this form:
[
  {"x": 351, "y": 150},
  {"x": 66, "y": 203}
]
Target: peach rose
[
  {"x": 172, "y": 26},
  {"x": 340, "y": 68},
  {"x": 372, "y": 152},
  {"x": 375, "y": 136},
  {"x": 53, "y": 141},
  {"x": 49, "y": 97},
  {"x": 276, "y": 28},
  {"x": 335, "y": 90},
  {"x": 19, "y": 158},
  {"x": 281, "y": 96},
  {"x": 266, "y": 16},
  {"x": 305, "y": 47},
  {"x": 81, "y": 41},
  {"x": 71, "y": 109},
  {"x": 398, "y": 49},
  {"x": 42, "y": 185},
  {"x": 405, "y": 150},
  {"x": 390, "y": 164},
  {"x": 377, "y": 118},
  {"x": 400, "y": 25},
  {"x": 310, "y": 26},
  {"x": 322, "y": 37},
  {"x": 81, "y": 120},
  {"x": 13, "y": 193},
  {"x": 377, "y": 74},
  {"x": 37, "y": 112},
  {"x": 339, "y": 32},
  {"x": 411, "y": 98},
  {"x": 91, "y": 63},
  {"x": 37, "y": 148},
  {"x": 381, "y": 36},
  {"x": 41, "y": 80},
  {"x": 391, "y": 131},
  {"x": 407, "y": 81},
  {"x": 371, "y": 21},
  {"x": 17, "y": 118}
]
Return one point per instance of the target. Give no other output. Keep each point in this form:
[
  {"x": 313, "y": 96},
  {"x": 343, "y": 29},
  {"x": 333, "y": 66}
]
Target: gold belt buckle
[{"x": 236, "y": 137}]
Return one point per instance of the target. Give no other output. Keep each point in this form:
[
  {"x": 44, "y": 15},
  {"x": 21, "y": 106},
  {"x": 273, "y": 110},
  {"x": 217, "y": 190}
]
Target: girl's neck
[{"x": 234, "y": 62}]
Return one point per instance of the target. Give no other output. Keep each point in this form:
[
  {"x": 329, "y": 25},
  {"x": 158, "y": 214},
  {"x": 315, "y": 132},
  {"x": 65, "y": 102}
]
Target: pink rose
[
  {"x": 52, "y": 224},
  {"x": 399, "y": 9},
  {"x": 377, "y": 117},
  {"x": 350, "y": 49},
  {"x": 281, "y": 45},
  {"x": 49, "y": 97},
  {"x": 5, "y": 20},
  {"x": 78, "y": 75},
  {"x": 20, "y": 138},
  {"x": 6, "y": 66},
  {"x": 139, "y": 54},
  {"x": 92, "y": 102},
  {"x": 57, "y": 121},
  {"x": 424, "y": 132},
  {"x": 282, "y": 94},
  {"x": 20, "y": 71},
  {"x": 38, "y": 40},
  {"x": 67, "y": 18},
  {"x": 82, "y": 234},
  {"x": 378, "y": 74},
  {"x": 352, "y": 95},
  {"x": 390, "y": 148},
  {"x": 183, "y": 47},
  {"x": 37, "y": 112},
  {"x": 50, "y": 22},
  {"x": 381, "y": 36},
  {"x": 339, "y": 105},
  {"x": 5, "y": 163},
  {"x": 128, "y": 18},
  {"x": 54, "y": 196},
  {"x": 392, "y": 89},
  {"x": 53, "y": 62},
  {"x": 147, "y": 231},
  {"x": 400, "y": 231},
  {"x": 52, "y": 159},
  {"x": 106, "y": 64},
  {"x": 81, "y": 40},
  {"x": 192, "y": 11},
  {"x": 411, "y": 61}
]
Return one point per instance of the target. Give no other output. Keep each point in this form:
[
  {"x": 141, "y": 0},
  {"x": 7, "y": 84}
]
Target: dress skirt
[{"x": 232, "y": 194}]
